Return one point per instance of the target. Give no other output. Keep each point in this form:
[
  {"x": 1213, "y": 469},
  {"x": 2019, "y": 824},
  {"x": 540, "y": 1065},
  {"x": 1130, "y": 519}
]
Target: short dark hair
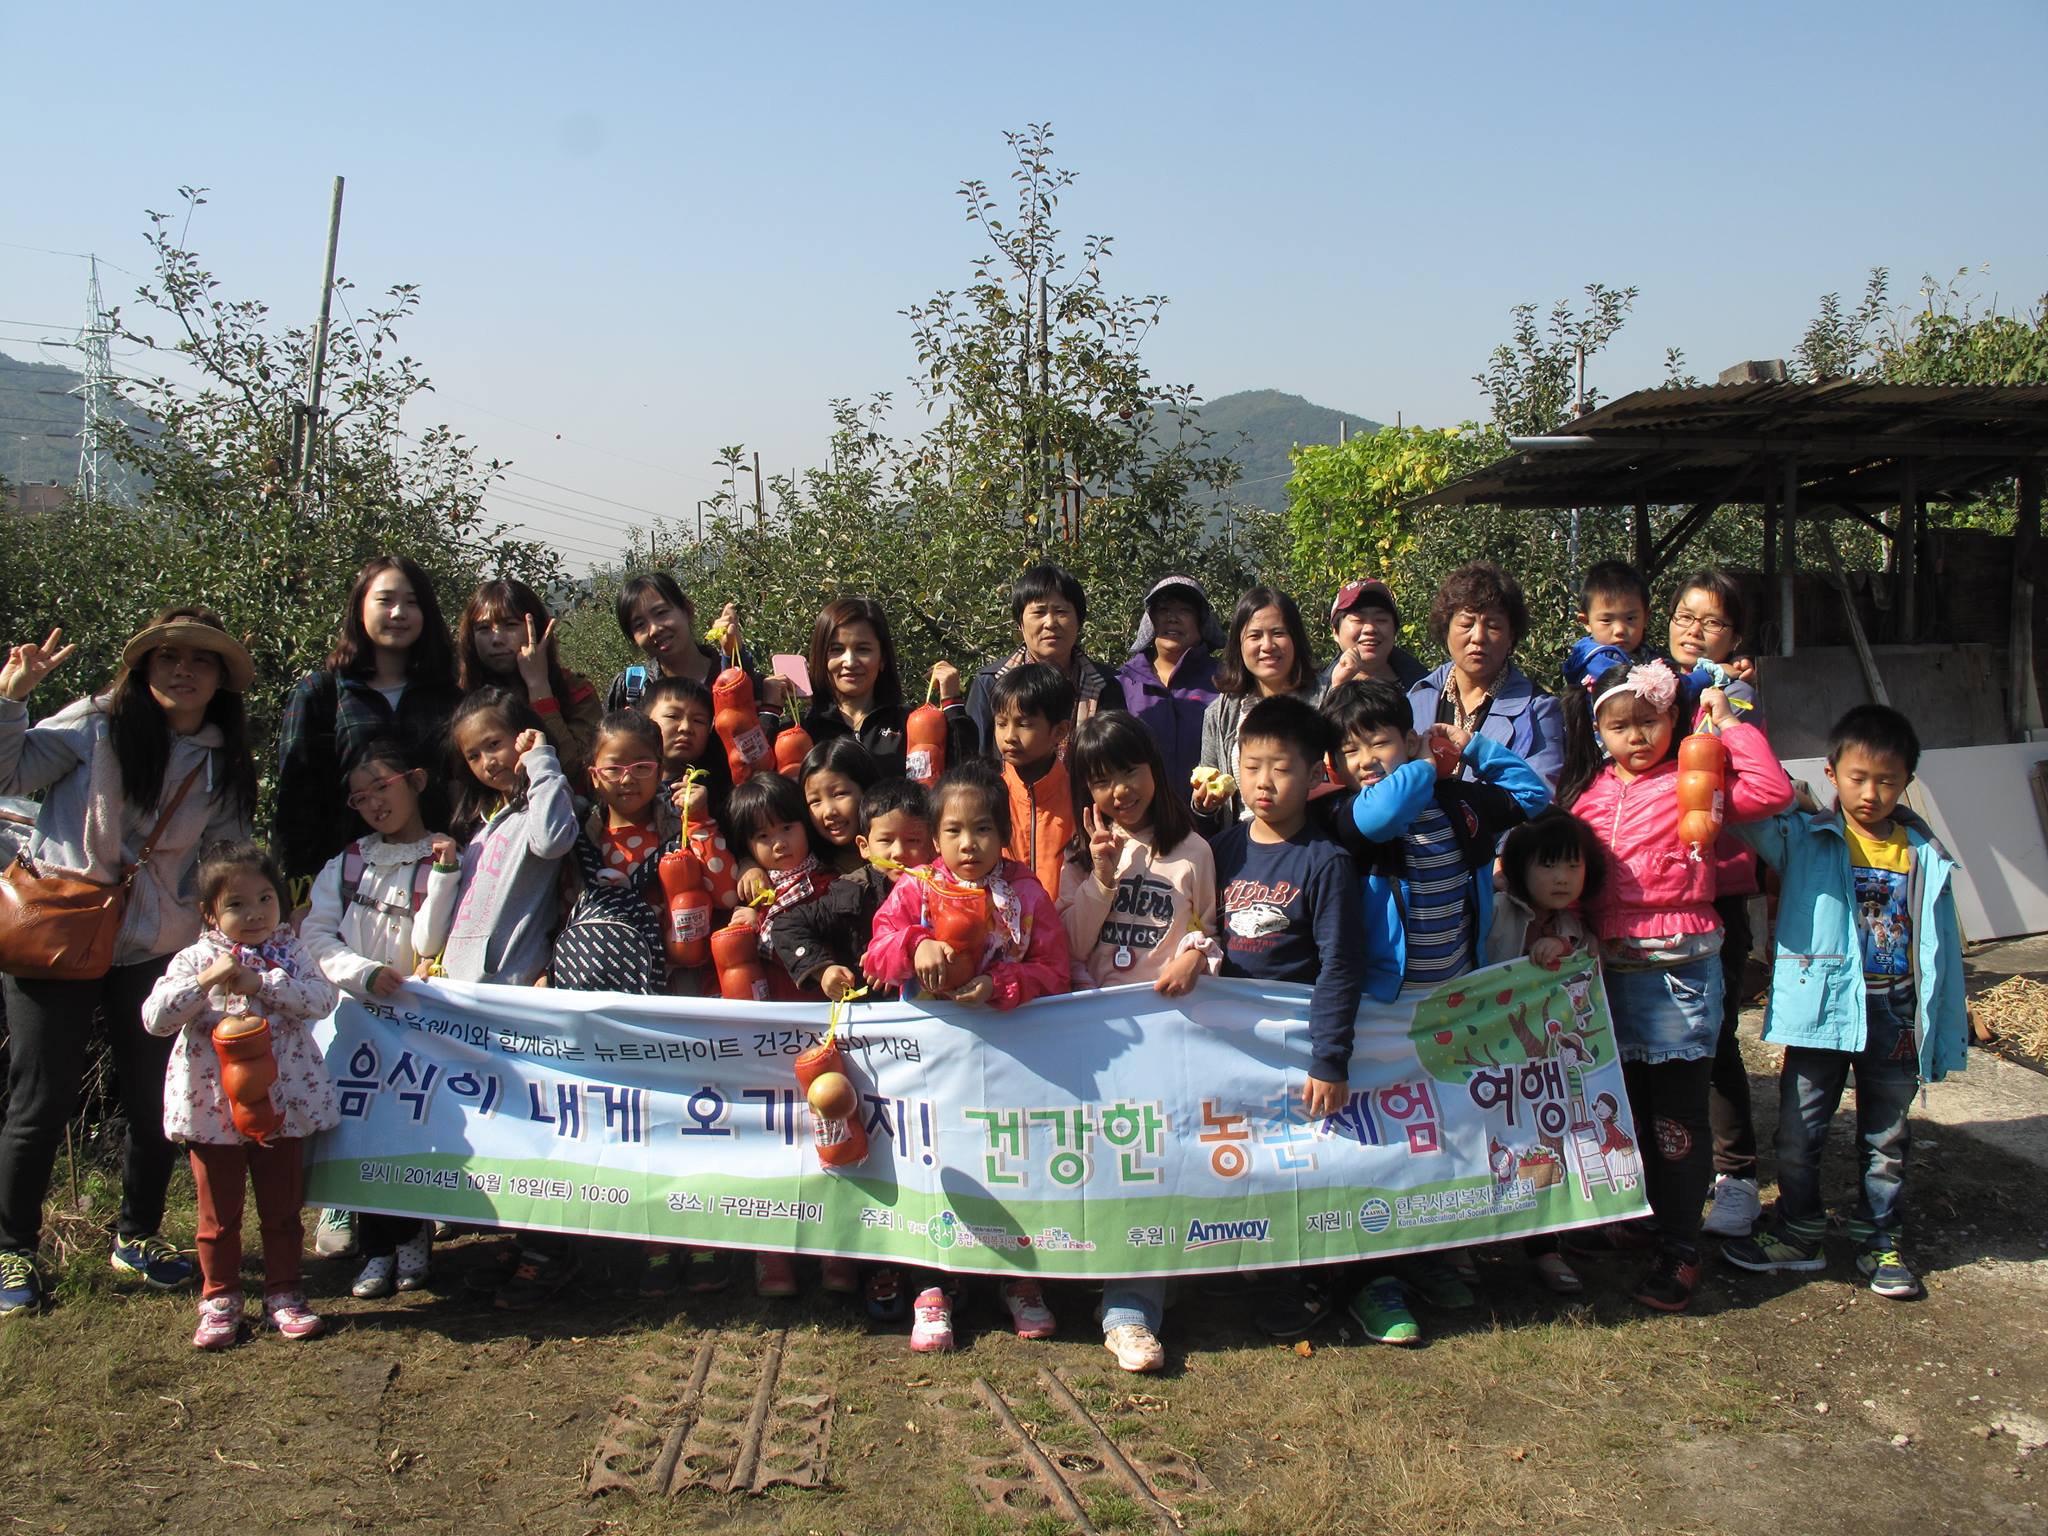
[
  {"x": 889, "y": 797},
  {"x": 628, "y": 722},
  {"x": 1613, "y": 578},
  {"x": 1879, "y": 730},
  {"x": 223, "y": 860},
  {"x": 685, "y": 688},
  {"x": 1478, "y": 586},
  {"x": 1291, "y": 721},
  {"x": 1553, "y": 833},
  {"x": 1726, "y": 589},
  {"x": 1033, "y": 689},
  {"x": 1366, "y": 704},
  {"x": 1231, "y": 676},
  {"x": 1036, "y": 583},
  {"x": 840, "y": 754},
  {"x": 974, "y": 778},
  {"x": 651, "y": 583},
  {"x": 764, "y": 800},
  {"x": 1116, "y": 741}
]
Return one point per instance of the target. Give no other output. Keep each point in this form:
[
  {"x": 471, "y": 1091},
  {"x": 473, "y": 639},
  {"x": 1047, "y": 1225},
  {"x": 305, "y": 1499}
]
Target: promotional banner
[{"x": 1105, "y": 1133}]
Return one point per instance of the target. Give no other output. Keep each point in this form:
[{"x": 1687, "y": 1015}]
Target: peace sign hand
[
  {"x": 1104, "y": 838},
  {"x": 27, "y": 665},
  {"x": 533, "y": 661}
]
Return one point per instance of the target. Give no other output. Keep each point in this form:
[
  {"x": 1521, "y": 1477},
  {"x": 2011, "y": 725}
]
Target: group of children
[{"x": 1373, "y": 859}]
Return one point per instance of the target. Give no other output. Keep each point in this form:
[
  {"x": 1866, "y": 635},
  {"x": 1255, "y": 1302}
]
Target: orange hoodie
[{"x": 1041, "y": 822}]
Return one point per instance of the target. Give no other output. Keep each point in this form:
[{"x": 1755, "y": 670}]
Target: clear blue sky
[{"x": 655, "y": 231}]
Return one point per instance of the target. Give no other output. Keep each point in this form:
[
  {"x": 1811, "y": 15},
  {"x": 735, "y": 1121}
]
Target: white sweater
[{"x": 379, "y": 928}]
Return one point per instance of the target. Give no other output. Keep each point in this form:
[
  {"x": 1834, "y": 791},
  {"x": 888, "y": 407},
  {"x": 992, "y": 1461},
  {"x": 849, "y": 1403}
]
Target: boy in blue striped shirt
[{"x": 1423, "y": 839}]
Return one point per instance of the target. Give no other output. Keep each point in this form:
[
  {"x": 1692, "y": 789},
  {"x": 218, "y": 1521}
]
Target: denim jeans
[
  {"x": 1140, "y": 1301},
  {"x": 1672, "y": 1013},
  {"x": 1887, "y": 1076}
]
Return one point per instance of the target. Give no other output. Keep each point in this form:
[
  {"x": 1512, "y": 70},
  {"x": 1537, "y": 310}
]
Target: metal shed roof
[{"x": 1848, "y": 440}]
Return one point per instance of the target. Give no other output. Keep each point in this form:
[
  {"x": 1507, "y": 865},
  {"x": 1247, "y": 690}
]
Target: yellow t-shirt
[{"x": 1881, "y": 870}]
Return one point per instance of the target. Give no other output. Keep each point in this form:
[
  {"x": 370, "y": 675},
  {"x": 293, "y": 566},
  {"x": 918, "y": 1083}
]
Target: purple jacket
[{"x": 1172, "y": 712}]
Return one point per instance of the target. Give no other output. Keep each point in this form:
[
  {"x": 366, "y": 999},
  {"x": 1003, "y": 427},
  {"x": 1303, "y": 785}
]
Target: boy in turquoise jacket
[{"x": 1869, "y": 979}]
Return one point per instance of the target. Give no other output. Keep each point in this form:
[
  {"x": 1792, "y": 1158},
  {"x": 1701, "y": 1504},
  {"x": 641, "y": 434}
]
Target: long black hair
[
  {"x": 1116, "y": 741},
  {"x": 1231, "y": 676},
  {"x": 432, "y": 657},
  {"x": 472, "y": 796},
  {"x": 141, "y": 732},
  {"x": 840, "y": 754}
]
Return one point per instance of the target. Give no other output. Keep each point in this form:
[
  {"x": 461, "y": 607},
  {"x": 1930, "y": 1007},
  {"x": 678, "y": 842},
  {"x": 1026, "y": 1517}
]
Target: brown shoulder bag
[{"x": 62, "y": 927}]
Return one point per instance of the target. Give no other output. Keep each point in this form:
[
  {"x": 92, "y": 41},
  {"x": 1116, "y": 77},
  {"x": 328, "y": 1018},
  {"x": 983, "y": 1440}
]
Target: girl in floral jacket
[{"x": 246, "y": 962}]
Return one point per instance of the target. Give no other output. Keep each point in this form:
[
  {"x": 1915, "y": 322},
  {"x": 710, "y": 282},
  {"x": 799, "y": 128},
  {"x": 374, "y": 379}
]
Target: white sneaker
[
  {"x": 335, "y": 1236},
  {"x": 375, "y": 1280},
  {"x": 1735, "y": 1209},
  {"x": 931, "y": 1330},
  {"x": 415, "y": 1256},
  {"x": 1136, "y": 1348}
]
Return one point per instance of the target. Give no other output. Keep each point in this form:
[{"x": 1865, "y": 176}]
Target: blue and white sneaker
[
  {"x": 21, "y": 1287},
  {"x": 155, "y": 1260}
]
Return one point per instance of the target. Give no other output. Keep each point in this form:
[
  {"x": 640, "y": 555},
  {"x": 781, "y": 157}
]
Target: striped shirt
[{"x": 1439, "y": 916}]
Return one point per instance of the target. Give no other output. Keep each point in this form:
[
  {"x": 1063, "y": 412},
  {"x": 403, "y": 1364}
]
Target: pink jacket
[
  {"x": 1040, "y": 971},
  {"x": 1654, "y": 887}
]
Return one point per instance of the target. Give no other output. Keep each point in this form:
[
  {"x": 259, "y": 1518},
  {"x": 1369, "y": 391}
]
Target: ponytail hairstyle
[
  {"x": 141, "y": 733},
  {"x": 974, "y": 778},
  {"x": 1116, "y": 741},
  {"x": 432, "y": 657},
  {"x": 1584, "y": 757},
  {"x": 473, "y": 798},
  {"x": 496, "y": 602}
]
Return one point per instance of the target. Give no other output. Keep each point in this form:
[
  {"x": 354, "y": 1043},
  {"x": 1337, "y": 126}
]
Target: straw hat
[{"x": 238, "y": 670}]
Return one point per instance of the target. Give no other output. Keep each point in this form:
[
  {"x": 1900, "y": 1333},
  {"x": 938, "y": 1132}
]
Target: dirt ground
[{"x": 1775, "y": 1406}]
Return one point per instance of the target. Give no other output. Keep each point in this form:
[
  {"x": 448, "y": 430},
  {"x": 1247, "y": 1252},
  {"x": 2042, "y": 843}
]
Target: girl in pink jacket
[
  {"x": 1025, "y": 957},
  {"x": 1659, "y": 936}
]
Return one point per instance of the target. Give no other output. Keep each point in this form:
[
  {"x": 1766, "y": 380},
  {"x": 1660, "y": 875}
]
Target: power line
[
  {"x": 592, "y": 495},
  {"x": 599, "y": 519},
  {"x": 626, "y": 458}
]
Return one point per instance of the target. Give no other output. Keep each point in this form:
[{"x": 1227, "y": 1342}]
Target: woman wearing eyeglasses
[{"x": 1706, "y": 626}]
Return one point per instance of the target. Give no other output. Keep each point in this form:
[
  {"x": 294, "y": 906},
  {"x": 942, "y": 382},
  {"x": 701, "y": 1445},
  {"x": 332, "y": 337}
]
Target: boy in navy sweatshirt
[{"x": 1288, "y": 898}]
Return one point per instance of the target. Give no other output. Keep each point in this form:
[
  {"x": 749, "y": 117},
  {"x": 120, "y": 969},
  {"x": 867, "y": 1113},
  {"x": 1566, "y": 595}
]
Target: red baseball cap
[{"x": 1368, "y": 593}]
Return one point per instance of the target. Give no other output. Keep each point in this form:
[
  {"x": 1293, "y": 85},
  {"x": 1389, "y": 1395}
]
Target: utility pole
[
  {"x": 98, "y": 372},
  {"x": 306, "y": 429}
]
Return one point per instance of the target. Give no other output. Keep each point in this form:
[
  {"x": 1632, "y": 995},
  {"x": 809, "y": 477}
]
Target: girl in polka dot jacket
[{"x": 612, "y": 940}]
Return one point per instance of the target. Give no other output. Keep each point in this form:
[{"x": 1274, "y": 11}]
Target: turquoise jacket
[{"x": 1817, "y": 997}]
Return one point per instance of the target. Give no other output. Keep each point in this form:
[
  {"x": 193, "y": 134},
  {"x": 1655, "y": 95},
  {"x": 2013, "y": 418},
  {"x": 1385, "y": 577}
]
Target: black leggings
[
  {"x": 1669, "y": 1103},
  {"x": 49, "y": 1025},
  {"x": 1728, "y": 1101}
]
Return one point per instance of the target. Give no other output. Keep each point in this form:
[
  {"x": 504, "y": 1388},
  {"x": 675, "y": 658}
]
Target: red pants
[{"x": 222, "y": 1174}]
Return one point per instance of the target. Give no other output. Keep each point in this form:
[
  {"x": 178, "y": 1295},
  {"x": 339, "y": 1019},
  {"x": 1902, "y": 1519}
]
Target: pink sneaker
[
  {"x": 290, "y": 1316},
  {"x": 220, "y": 1322},
  {"x": 1029, "y": 1314},
  {"x": 841, "y": 1276},
  {"x": 932, "y": 1332},
  {"x": 774, "y": 1275}
]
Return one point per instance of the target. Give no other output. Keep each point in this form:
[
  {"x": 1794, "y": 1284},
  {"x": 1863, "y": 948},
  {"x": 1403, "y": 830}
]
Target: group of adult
[{"x": 161, "y": 756}]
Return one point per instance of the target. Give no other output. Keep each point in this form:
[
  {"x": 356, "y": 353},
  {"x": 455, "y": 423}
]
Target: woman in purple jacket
[{"x": 1170, "y": 675}]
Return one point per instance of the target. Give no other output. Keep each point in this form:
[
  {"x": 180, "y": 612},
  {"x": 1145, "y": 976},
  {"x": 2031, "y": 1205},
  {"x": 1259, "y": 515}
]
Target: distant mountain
[
  {"x": 40, "y": 419},
  {"x": 1259, "y": 428}
]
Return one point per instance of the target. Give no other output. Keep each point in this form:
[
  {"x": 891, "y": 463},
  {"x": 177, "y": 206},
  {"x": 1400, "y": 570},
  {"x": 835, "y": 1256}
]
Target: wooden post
[
  {"x": 2023, "y": 705},
  {"x": 1788, "y": 567},
  {"x": 1642, "y": 540},
  {"x": 1770, "y": 501},
  {"x": 1909, "y": 555}
]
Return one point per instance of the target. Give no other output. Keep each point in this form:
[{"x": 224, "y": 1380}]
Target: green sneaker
[
  {"x": 1772, "y": 1250},
  {"x": 1381, "y": 1308},
  {"x": 1887, "y": 1273},
  {"x": 1438, "y": 1284}
]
